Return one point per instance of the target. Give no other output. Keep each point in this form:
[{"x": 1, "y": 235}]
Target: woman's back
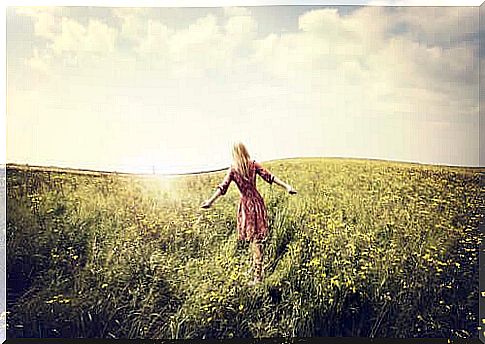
[{"x": 247, "y": 183}]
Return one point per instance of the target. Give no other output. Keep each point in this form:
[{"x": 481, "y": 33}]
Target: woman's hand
[
  {"x": 290, "y": 190},
  {"x": 206, "y": 204}
]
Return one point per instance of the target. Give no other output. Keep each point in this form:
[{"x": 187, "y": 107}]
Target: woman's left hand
[
  {"x": 207, "y": 204},
  {"x": 290, "y": 190}
]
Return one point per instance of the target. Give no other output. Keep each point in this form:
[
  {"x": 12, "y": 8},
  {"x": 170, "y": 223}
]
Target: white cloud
[
  {"x": 68, "y": 41},
  {"x": 325, "y": 21},
  {"x": 133, "y": 23},
  {"x": 241, "y": 26},
  {"x": 39, "y": 63},
  {"x": 329, "y": 87},
  {"x": 206, "y": 44},
  {"x": 156, "y": 39},
  {"x": 359, "y": 47},
  {"x": 97, "y": 37},
  {"x": 46, "y": 20}
]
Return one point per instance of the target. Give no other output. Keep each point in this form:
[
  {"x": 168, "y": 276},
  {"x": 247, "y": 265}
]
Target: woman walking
[{"x": 252, "y": 219}]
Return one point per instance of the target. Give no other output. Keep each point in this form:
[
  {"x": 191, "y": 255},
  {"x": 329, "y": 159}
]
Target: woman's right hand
[
  {"x": 290, "y": 190},
  {"x": 206, "y": 204}
]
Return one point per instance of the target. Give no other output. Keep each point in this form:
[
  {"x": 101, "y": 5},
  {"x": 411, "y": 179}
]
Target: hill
[{"x": 367, "y": 248}]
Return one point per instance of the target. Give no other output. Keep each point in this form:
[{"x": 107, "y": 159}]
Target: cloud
[
  {"x": 442, "y": 26},
  {"x": 133, "y": 23},
  {"x": 46, "y": 20},
  {"x": 401, "y": 40},
  {"x": 156, "y": 39},
  {"x": 96, "y": 37},
  {"x": 359, "y": 48},
  {"x": 207, "y": 44},
  {"x": 384, "y": 54},
  {"x": 241, "y": 26},
  {"x": 345, "y": 82},
  {"x": 38, "y": 62}
]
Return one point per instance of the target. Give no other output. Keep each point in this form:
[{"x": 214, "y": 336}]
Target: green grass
[{"x": 366, "y": 248}]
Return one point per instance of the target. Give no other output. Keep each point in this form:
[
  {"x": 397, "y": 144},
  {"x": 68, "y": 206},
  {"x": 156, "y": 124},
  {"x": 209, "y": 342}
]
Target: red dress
[{"x": 252, "y": 218}]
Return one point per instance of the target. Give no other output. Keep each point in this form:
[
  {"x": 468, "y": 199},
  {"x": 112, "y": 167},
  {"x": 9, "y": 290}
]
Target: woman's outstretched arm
[
  {"x": 221, "y": 190},
  {"x": 281, "y": 183},
  {"x": 271, "y": 178},
  {"x": 208, "y": 203}
]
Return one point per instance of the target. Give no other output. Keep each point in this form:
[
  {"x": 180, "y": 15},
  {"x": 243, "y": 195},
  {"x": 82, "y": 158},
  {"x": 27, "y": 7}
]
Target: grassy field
[{"x": 367, "y": 248}]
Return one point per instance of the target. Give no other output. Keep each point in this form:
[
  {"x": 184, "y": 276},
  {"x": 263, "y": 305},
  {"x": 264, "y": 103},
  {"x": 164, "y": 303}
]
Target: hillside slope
[{"x": 366, "y": 248}]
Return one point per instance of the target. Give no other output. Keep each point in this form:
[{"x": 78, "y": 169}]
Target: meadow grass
[{"x": 366, "y": 248}]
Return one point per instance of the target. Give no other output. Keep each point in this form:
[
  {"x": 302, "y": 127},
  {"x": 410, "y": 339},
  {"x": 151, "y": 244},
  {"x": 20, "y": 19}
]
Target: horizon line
[{"x": 94, "y": 171}]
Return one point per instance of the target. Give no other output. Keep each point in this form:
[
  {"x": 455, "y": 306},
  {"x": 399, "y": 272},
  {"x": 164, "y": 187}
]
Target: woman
[{"x": 252, "y": 219}]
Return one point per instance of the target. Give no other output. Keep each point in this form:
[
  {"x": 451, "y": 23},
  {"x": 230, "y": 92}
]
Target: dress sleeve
[
  {"x": 225, "y": 183},
  {"x": 264, "y": 173}
]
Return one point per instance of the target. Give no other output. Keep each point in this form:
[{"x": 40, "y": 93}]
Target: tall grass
[{"x": 366, "y": 248}]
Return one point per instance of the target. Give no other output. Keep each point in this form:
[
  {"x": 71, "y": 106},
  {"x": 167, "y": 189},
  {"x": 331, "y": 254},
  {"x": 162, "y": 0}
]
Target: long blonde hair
[{"x": 241, "y": 159}]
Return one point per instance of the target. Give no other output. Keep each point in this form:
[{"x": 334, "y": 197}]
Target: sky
[{"x": 170, "y": 89}]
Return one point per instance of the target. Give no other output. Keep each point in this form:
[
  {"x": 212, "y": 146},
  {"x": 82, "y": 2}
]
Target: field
[{"x": 366, "y": 248}]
